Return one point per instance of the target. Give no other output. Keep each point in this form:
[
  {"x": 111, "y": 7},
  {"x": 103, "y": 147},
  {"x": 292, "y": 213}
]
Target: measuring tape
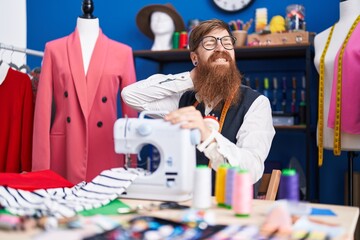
[
  {"x": 222, "y": 116},
  {"x": 321, "y": 101},
  {"x": 337, "y": 127}
]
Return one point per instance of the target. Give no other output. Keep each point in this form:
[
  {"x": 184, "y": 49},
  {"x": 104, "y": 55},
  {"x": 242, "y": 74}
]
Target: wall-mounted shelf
[{"x": 254, "y": 52}]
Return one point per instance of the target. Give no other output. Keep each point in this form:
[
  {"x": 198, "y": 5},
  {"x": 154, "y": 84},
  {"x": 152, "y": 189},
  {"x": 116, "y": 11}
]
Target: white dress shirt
[{"x": 162, "y": 92}]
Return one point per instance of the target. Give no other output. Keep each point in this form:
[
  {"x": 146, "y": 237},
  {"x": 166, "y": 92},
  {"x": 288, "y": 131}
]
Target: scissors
[{"x": 151, "y": 207}]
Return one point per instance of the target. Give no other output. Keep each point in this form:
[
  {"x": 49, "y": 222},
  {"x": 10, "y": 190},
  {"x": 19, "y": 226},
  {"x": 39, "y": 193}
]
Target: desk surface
[{"x": 346, "y": 216}]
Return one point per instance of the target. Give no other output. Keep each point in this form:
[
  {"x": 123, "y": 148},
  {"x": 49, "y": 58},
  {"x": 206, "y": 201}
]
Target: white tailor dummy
[
  {"x": 88, "y": 31},
  {"x": 349, "y": 11},
  {"x": 163, "y": 27}
]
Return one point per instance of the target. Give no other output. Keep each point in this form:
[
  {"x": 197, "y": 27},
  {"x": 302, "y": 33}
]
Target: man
[{"x": 213, "y": 88}]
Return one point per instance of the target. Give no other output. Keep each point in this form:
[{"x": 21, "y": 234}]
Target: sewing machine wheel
[{"x": 148, "y": 159}]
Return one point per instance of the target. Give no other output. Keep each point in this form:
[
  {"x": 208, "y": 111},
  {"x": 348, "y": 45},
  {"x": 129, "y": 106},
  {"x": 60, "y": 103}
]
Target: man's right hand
[{"x": 190, "y": 118}]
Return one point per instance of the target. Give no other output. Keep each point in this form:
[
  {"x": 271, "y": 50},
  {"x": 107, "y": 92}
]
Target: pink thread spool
[{"x": 242, "y": 193}]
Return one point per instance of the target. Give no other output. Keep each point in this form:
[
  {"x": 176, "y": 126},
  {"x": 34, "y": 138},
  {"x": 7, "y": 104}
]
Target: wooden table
[{"x": 346, "y": 216}]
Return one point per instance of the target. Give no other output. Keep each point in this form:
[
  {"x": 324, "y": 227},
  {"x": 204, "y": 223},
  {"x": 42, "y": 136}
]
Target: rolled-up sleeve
[{"x": 158, "y": 92}]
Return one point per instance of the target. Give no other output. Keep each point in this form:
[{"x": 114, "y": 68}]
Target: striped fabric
[{"x": 66, "y": 202}]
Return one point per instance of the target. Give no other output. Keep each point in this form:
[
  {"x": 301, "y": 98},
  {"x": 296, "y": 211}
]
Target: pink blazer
[{"x": 79, "y": 143}]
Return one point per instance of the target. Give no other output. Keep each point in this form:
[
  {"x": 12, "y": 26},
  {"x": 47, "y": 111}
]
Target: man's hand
[{"x": 190, "y": 118}]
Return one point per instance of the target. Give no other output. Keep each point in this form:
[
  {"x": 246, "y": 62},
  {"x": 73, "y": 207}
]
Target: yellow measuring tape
[
  {"x": 337, "y": 127},
  {"x": 223, "y": 114},
  {"x": 321, "y": 101}
]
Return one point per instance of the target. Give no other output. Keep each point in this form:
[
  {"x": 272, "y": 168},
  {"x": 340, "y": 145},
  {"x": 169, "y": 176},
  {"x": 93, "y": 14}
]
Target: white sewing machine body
[{"x": 174, "y": 176}]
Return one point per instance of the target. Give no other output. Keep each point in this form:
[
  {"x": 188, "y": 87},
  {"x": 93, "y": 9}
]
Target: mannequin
[
  {"x": 159, "y": 22},
  {"x": 163, "y": 27},
  {"x": 88, "y": 28},
  {"x": 76, "y": 102},
  {"x": 349, "y": 11}
]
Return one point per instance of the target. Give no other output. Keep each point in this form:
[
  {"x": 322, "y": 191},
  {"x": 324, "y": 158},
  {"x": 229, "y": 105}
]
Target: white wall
[{"x": 13, "y": 30}]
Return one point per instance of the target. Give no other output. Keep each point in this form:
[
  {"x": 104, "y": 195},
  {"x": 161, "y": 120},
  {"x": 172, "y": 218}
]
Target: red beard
[{"x": 218, "y": 81}]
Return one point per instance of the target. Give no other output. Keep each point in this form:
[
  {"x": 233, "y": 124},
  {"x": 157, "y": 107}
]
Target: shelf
[
  {"x": 254, "y": 52},
  {"x": 294, "y": 127},
  {"x": 176, "y": 55}
]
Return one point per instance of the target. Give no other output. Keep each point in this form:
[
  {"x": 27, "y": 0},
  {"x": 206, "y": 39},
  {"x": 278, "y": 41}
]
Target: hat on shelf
[{"x": 144, "y": 15}]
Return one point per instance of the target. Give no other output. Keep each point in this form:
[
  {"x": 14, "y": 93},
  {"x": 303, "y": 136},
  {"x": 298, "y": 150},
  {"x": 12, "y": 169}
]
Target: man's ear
[{"x": 194, "y": 58}]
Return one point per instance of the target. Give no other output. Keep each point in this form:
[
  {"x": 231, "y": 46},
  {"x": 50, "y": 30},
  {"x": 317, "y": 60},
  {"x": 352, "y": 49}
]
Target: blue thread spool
[
  {"x": 289, "y": 185},
  {"x": 230, "y": 179}
]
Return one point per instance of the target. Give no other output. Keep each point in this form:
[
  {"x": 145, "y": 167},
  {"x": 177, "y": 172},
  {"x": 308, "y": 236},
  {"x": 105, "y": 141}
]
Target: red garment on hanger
[
  {"x": 34, "y": 180},
  {"x": 16, "y": 122}
]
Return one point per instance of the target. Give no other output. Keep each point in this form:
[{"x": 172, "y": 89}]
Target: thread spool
[
  {"x": 202, "y": 187},
  {"x": 230, "y": 177},
  {"x": 220, "y": 184},
  {"x": 183, "y": 40},
  {"x": 175, "y": 41},
  {"x": 302, "y": 113},
  {"x": 242, "y": 193},
  {"x": 289, "y": 185}
]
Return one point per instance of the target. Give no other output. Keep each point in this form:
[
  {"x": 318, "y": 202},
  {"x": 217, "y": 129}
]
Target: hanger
[
  {"x": 11, "y": 64},
  {"x": 1, "y": 60},
  {"x": 25, "y": 66}
]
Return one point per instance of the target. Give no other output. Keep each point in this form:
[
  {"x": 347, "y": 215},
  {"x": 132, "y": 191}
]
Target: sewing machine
[{"x": 172, "y": 180}]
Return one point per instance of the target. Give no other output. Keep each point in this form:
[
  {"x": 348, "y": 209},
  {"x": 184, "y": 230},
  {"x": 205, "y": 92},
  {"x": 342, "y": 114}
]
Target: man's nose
[{"x": 219, "y": 46}]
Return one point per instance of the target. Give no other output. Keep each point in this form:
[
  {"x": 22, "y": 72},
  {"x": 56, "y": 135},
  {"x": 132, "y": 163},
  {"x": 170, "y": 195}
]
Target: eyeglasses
[{"x": 210, "y": 42}]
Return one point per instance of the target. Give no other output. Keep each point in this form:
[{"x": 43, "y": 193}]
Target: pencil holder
[{"x": 241, "y": 36}]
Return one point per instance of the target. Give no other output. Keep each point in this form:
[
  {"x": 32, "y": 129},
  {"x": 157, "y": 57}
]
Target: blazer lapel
[
  {"x": 96, "y": 67},
  {"x": 77, "y": 70}
]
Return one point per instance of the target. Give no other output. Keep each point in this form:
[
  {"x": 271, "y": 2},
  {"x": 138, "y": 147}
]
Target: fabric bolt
[
  {"x": 34, "y": 180},
  {"x": 67, "y": 202},
  {"x": 79, "y": 143},
  {"x": 16, "y": 122},
  {"x": 350, "y": 97}
]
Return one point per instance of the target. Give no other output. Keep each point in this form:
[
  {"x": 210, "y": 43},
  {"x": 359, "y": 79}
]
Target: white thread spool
[{"x": 202, "y": 187}]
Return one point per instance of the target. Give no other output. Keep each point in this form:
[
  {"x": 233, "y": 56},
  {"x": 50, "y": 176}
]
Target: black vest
[{"x": 233, "y": 120}]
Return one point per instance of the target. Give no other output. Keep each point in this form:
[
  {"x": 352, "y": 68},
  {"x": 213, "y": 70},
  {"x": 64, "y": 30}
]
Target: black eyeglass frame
[{"x": 233, "y": 40}]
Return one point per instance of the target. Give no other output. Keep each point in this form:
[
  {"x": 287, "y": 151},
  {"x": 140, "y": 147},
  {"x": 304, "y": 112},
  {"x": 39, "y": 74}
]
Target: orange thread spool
[{"x": 220, "y": 184}]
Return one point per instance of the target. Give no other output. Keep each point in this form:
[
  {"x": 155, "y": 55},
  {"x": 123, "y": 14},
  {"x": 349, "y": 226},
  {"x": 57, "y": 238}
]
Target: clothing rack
[{"x": 23, "y": 50}]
